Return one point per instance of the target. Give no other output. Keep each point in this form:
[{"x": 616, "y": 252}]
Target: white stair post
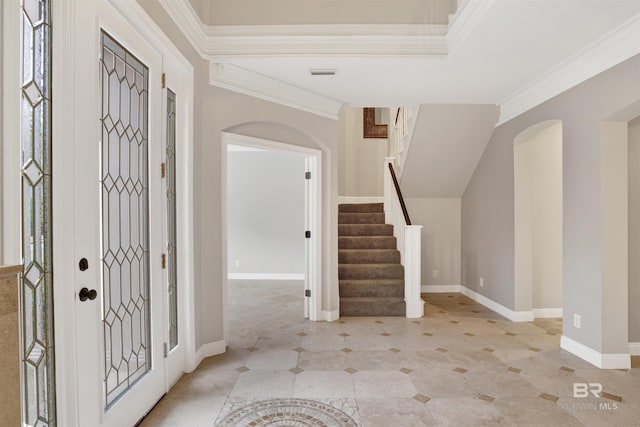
[
  {"x": 412, "y": 279},
  {"x": 409, "y": 238}
]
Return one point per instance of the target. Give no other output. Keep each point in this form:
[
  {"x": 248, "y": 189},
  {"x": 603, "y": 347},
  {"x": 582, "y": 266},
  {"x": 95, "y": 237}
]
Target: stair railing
[
  {"x": 401, "y": 127},
  {"x": 408, "y": 237}
]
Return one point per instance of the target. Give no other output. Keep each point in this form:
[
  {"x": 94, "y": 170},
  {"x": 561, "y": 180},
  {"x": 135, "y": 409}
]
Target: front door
[{"x": 117, "y": 215}]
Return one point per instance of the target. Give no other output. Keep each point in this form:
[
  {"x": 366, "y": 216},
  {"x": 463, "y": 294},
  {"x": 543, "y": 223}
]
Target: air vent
[{"x": 323, "y": 71}]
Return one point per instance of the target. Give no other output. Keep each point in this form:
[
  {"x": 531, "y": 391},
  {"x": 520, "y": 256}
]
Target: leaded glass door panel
[
  {"x": 175, "y": 342},
  {"x": 117, "y": 220}
]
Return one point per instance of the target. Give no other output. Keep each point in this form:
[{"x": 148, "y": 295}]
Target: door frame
[
  {"x": 313, "y": 262},
  {"x": 63, "y": 85}
]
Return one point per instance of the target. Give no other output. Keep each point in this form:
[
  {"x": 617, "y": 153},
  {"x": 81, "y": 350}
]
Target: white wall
[
  {"x": 361, "y": 160},
  {"x": 265, "y": 221},
  {"x": 441, "y": 238},
  {"x": 634, "y": 230},
  {"x": 538, "y": 219}
]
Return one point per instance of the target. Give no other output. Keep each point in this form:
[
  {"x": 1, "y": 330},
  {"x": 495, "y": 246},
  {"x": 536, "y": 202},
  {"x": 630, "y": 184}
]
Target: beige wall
[
  {"x": 634, "y": 230},
  {"x": 488, "y": 206},
  {"x": 259, "y": 12},
  {"x": 361, "y": 160},
  {"x": 538, "y": 219},
  {"x": 440, "y": 219},
  {"x": 9, "y": 349},
  {"x": 615, "y": 234},
  {"x": 218, "y": 110}
]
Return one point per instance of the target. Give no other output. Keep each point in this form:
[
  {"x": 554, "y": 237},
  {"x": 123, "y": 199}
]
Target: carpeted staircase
[{"x": 369, "y": 270}]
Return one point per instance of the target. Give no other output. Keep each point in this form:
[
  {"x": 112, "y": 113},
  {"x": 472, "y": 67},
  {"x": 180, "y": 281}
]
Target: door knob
[{"x": 86, "y": 294}]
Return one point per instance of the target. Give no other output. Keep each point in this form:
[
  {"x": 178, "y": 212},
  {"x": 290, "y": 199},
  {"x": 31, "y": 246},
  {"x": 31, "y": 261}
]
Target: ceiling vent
[{"x": 323, "y": 71}]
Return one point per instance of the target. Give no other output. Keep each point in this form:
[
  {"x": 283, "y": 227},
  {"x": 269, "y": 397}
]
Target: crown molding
[
  {"x": 221, "y": 44},
  {"x": 615, "y": 47},
  {"x": 238, "y": 79},
  {"x": 188, "y": 22},
  {"x": 465, "y": 19},
  {"x": 216, "y": 42}
]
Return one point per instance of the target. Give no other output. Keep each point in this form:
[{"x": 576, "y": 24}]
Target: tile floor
[{"x": 461, "y": 365}]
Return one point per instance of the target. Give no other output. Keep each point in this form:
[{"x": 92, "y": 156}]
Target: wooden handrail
[{"x": 399, "y": 193}]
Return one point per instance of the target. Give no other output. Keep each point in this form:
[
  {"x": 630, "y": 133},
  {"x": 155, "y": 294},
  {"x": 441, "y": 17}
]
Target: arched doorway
[{"x": 538, "y": 219}]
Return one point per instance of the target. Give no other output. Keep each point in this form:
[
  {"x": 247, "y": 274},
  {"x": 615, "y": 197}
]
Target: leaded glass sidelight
[
  {"x": 125, "y": 218},
  {"x": 36, "y": 290},
  {"x": 171, "y": 219}
]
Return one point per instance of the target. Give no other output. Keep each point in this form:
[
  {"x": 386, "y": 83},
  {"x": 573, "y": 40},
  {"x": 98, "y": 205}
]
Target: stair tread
[
  {"x": 372, "y": 306},
  {"x": 365, "y": 230},
  {"x": 365, "y": 282},
  {"x": 360, "y": 207},
  {"x": 374, "y": 265},
  {"x": 367, "y": 242},
  {"x": 371, "y": 288},
  {"x": 349, "y": 218},
  {"x": 373, "y": 249},
  {"x": 367, "y": 237}
]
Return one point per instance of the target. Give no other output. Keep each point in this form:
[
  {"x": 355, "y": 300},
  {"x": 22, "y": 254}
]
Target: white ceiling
[{"x": 505, "y": 47}]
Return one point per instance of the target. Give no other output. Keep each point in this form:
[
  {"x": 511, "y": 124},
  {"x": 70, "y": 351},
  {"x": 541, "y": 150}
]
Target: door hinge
[
  {"x": 164, "y": 80},
  {"x": 307, "y": 293},
  {"x": 307, "y": 234},
  {"x": 164, "y": 261},
  {"x": 307, "y": 175},
  {"x": 166, "y": 350},
  {"x": 163, "y": 170}
]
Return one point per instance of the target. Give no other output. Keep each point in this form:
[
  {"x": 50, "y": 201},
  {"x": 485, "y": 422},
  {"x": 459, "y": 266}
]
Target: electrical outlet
[
  {"x": 435, "y": 274},
  {"x": 237, "y": 263},
  {"x": 482, "y": 282},
  {"x": 576, "y": 321}
]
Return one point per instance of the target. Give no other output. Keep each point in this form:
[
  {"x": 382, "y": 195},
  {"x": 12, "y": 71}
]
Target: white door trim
[{"x": 314, "y": 262}]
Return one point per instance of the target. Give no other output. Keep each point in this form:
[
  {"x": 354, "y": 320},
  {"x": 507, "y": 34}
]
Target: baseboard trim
[
  {"x": 330, "y": 316},
  {"x": 547, "y": 313},
  {"x": 437, "y": 289},
  {"x": 360, "y": 199},
  {"x": 634, "y": 348},
  {"x": 207, "y": 350},
  {"x": 600, "y": 360},
  {"x": 265, "y": 276},
  {"x": 514, "y": 316}
]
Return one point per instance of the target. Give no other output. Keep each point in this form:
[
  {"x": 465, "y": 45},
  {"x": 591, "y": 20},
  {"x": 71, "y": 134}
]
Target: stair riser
[
  {"x": 369, "y": 256},
  {"x": 361, "y": 218},
  {"x": 369, "y": 271},
  {"x": 366, "y": 308},
  {"x": 361, "y": 207},
  {"x": 365, "y": 230},
  {"x": 382, "y": 290},
  {"x": 385, "y": 242}
]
